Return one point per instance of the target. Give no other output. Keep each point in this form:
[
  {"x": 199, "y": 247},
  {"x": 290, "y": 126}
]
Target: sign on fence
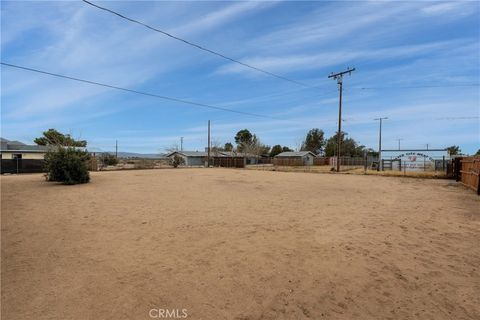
[{"x": 416, "y": 160}]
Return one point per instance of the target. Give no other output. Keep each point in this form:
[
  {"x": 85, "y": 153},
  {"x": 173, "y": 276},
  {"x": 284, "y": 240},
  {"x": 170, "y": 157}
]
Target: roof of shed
[
  {"x": 295, "y": 154},
  {"x": 237, "y": 154},
  {"x": 190, "y": 153}
]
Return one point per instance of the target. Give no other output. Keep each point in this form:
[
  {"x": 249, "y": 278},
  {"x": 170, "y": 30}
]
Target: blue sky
[{"x": 393, "y": 45}]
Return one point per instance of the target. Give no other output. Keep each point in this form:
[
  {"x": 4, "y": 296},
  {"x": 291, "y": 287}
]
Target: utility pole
[
  {"x": 116, "y": 148},
  {"x": 208, "y": 153},
  {"x": 339, "y": 77},
  {"x": 181, "y": 143},
  {"x": 380, "y": 144},
  {"x": 427, "y": 146},
  {"x": 399, "y": 139}
]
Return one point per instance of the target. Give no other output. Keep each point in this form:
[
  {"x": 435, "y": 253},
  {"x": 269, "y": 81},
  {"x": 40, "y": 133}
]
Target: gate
[{"x": 389, "y": 164}]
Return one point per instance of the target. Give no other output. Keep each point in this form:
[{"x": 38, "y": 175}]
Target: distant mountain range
[{"x": 98, "y": 151}]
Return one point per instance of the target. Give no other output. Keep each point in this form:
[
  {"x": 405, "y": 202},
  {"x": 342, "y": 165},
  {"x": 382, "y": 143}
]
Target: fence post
[
  {"x": 458, "y": 168},
  {"x": 365, "y": 161},
  {"x": 478, "y": 184}
]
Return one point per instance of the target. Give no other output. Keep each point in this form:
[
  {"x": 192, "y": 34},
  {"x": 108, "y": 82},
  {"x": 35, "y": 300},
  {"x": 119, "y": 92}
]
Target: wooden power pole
[
  {"x": 208, "y": 148},
  {"x": 339, "y": 77},
  {"x": 399, "y": 139},
  {"x": 380, "y": 144}
]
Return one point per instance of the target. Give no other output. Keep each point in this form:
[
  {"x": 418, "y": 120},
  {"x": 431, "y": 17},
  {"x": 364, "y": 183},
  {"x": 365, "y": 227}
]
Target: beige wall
[{"x": 25, "y": 155}]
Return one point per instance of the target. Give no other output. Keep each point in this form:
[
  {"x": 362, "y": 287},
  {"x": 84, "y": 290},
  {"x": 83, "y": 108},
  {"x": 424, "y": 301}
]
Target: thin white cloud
[
  {"x": 291, "y": 63},
  {"x": 447, "y": 8},
  {"x": 224, "y": 15}
]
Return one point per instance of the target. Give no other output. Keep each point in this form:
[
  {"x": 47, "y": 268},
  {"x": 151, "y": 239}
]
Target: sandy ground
[{"x": 239, "y": 244}]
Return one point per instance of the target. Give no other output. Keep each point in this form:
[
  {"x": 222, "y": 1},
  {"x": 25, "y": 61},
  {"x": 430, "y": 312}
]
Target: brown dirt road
[{"x": 239, "y": 244}]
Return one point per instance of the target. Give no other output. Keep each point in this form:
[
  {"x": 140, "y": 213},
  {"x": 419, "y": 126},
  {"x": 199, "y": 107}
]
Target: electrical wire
[
  {"x": 139, "y": 92},
  {"x": 221, "y": 55}
]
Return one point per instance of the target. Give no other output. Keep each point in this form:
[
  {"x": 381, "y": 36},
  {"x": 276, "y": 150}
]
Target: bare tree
[
  {"x": 298, "y": 143},
  {"x": 216, "y": 147},
  {"x": 172, "y": 148},
  {"x": 255, "y": 147}
]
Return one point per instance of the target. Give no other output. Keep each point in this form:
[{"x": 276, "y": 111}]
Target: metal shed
[
  {"x": 191, "y": 158},
  {"x": 299, "y": 158}
]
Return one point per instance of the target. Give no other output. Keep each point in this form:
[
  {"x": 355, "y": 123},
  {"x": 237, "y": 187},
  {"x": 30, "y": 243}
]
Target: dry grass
[
  {"x": 350, "y": 170},
  {"x": 128, "y": 164},
  {"x": 407, "y": 174}
]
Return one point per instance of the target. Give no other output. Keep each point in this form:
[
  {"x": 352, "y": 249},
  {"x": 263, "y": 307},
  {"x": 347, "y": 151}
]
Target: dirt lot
[{"x": 239, "y": 244}]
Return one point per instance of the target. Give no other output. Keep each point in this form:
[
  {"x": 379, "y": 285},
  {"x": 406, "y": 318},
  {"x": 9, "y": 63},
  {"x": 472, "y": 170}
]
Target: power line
[
  {"x": 339, "y": 77},
  {"x": 199, "y": 46},
  {"x": 138, "y": 92}
]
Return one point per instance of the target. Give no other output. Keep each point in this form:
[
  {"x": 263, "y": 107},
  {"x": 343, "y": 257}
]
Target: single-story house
[
  {"x": 249, "y": 157},
  {"x": 298, "y": 158},
  {"x": 191, "y": 158},
  {"x": 19, "y": 150}
]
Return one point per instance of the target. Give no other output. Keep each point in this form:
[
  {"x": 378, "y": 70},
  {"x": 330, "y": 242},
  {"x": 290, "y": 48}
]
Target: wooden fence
[
  {"x": 229, "y": 162},
  {"x": 93, "y": 164},
  {"x": 467, "y": 171},
  {"x": 321, "y": 161},
  {"x": 22, "y": 166}
]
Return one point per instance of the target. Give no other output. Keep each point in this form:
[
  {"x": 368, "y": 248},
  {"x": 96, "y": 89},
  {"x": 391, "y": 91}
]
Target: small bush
[
  {"x": 67, "y": 165},
  {"x": 176, "y": 161},
  {"x": 144, "y": 164},
  {"x": 108, "y": 159}
]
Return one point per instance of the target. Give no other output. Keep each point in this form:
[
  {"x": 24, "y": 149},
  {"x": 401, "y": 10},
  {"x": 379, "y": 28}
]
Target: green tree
[
  {"x": 276, "y": 149},
  {"x": 454, "y": 150},
  {"x": 477, "y": 153},
  {"x": 54, "y": 137},
  {"x": 348, "y": 147},
  {"x": 65, "y": 162},
  {"x": 67, "y": 165},
  {"x": 228, "y": 146},
  {"x": 314, "y": 141},
  {"x": 243, "y": 139},
  {"x": 331, "y": 145}
]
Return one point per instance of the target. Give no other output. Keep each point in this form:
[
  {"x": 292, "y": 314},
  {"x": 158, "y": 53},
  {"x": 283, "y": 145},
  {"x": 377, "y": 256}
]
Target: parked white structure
[
  {"x": 303, "y": 157},
  {"x": 191, "y": 158}
]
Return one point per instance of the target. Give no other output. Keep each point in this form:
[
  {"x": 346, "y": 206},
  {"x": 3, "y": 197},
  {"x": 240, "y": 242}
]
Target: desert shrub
[
  {"x": 176, "y": 161},
  {"x": 144, "y": 164},
  {"x": 108, "y": 159},
  {"x": 67, "y": 165}
]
